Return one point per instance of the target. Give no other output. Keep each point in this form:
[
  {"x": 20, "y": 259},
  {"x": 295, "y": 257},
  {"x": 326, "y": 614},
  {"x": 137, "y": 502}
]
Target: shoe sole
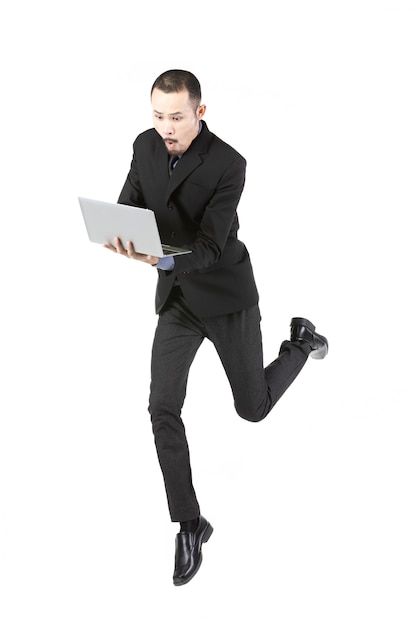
[{"x": 301, "y": 321}]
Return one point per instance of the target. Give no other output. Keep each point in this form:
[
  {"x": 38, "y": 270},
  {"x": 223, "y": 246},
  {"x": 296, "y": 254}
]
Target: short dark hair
[{"x": 179, "y": 80}]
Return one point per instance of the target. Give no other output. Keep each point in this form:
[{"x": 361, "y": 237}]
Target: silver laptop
[{"x": 106, "y": 220}]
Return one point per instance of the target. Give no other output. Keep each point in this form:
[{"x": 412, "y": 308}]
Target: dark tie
[{"x": 172, "y": 163}]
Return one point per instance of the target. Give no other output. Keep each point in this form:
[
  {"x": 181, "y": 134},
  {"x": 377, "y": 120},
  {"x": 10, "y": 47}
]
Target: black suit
[
  {"x": 211, "y": 293},
  {"x": 196, "y": 207}
]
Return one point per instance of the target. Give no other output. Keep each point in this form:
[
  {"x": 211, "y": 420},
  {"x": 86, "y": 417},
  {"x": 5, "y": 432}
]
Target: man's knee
[{"x": 251, "y": 414}]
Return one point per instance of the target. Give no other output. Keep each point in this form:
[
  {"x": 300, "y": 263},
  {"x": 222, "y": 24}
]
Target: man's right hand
[{"x": 130, "y": 252}]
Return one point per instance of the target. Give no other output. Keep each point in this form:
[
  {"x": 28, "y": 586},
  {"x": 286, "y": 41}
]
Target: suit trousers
[{"x": 238, "y": 341}]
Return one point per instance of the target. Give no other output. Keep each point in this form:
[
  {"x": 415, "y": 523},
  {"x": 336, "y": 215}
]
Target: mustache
[{"x": 166, "y": 139}]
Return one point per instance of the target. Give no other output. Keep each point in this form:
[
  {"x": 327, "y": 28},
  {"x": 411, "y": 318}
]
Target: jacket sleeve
[{"x": 131, "y": 193}]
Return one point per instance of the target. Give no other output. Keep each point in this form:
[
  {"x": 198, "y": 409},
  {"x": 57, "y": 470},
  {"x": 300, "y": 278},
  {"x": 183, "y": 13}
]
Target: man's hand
[{"x": 130, "y": 252}]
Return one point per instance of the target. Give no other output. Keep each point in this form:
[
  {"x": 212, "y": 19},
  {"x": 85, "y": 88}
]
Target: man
[{"x": 193, "y": 182}]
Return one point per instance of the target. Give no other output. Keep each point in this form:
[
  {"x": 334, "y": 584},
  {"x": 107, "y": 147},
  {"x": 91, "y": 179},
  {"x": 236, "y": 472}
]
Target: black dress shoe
[
  {"x": 188, "y": 554},
  {"x": 304, "y": 330}
]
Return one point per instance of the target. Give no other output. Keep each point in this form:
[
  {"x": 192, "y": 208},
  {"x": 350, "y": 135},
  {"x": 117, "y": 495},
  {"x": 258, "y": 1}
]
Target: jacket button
[{"x": 172, "y": 235}]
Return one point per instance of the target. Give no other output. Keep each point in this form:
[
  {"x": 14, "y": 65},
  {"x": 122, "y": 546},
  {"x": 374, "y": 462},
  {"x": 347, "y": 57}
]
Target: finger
[
  {"x": 119, "y": 247},
  {"x": 131, "y": 250}
]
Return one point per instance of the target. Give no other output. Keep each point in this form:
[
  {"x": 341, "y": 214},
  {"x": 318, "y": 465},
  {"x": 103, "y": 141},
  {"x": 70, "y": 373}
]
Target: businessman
[{"x": 193, "y": 182}]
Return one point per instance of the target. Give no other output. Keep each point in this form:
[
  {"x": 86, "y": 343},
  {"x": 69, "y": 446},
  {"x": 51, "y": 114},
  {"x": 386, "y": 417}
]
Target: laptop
[{"x": 106, "y": 220}]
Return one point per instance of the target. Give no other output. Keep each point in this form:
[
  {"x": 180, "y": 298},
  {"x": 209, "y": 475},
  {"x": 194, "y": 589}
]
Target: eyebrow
[{"x": 176, "y": 112}]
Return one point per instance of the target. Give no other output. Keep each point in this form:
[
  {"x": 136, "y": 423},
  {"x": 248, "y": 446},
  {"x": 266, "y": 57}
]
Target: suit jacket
[{"x": 196, "y": 207}]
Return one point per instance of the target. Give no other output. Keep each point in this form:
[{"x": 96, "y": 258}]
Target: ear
[{"x": 201, "y": 109}]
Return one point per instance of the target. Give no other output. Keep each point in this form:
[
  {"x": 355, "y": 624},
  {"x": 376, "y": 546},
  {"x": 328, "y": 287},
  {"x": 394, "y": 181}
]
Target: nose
[{"x": 167, "y": 128}]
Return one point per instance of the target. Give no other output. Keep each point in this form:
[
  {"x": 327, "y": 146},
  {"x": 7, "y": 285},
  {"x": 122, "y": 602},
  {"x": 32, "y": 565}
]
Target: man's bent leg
[
  {"x": 174, "y": 349},
  {"x": 238, "y": 340}
]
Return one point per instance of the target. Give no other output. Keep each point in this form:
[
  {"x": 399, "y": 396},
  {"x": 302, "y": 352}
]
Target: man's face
[{"x": 176, "y": 119}]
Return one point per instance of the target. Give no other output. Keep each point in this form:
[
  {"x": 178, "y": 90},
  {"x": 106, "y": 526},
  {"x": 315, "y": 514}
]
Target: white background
[{"x": 314, "y": 508}]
